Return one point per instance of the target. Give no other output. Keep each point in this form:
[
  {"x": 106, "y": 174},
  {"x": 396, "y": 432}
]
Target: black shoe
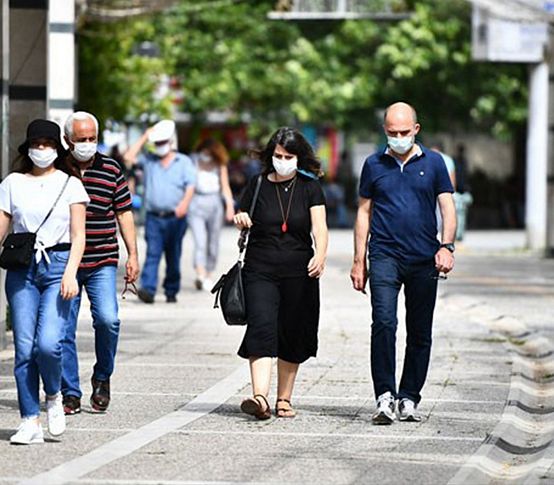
[
  {"x": 100, "y": 398},
  {"x": 145, "y": 296},
  {"x": 171, "y": 299},
  {"x": 71, "y": 405}
]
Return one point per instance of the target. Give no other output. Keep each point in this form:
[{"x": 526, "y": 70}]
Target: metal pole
[
  {"x": 4, "y": 134},
  {"x": 537, "y": 155}
]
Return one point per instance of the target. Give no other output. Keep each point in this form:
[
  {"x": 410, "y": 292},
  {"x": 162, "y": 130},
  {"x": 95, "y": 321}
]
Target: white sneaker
[
  {"x": 384, "y": 414},
  {"x": 207, "y": 284},
  {"x": 55, "y": 415},
  {"x": 407, "y": 411},
  {"x": 29, "y": 432}
]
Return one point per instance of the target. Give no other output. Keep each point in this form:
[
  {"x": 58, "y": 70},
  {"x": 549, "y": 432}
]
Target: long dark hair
[
  {"x": 23, "y": 164},
  {"x": 293, "y": 142}
]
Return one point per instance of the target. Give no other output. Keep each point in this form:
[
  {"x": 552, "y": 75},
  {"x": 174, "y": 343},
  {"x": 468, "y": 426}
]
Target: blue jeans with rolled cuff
[
  {"x": 100, "y": 284},
  {"x": 39, "y": 315}
]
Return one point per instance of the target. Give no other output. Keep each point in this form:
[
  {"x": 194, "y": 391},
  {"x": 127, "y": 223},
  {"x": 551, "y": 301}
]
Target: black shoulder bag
[
  {"x": 19, "y": 247},
  {"x": 229, "y": 291}
]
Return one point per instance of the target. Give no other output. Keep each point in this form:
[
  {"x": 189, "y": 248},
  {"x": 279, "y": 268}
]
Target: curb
[{"x": 520, "y": 446}]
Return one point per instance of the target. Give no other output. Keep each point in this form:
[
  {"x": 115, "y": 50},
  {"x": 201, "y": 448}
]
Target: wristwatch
[{"x": 449, "y": 246}]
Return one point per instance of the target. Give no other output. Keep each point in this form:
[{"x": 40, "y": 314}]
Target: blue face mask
[{"x": 400, "y": 145}]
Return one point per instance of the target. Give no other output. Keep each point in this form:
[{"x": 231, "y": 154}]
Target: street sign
[{"x": 501, "y": 40}]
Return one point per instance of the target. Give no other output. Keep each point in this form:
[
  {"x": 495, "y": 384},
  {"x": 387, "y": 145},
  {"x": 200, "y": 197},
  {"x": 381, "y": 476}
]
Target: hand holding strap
[{"x": 243, "y": 238}]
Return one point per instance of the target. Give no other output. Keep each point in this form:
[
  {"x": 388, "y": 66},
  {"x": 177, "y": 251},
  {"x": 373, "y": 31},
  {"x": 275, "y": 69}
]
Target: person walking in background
[
  {"x": 399, "y": 189},
  {"x": 169, "y": 179},
  {"x": 206, "y": 210},
  {"x": 462, "y": 197},
  {"x": 110, "y": 206},
  {"x": 438, "y": 147},
  {"x": 462, "y": 168},
  {"x": 282, "y": 268},
  {"x": 42, "y": 196}
]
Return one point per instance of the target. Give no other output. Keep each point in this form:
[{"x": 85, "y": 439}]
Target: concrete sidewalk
[{"x": 175, "y": 414}]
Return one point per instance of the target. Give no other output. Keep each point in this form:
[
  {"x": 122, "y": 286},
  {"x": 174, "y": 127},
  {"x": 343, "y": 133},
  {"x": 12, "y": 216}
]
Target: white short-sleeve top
[
  {"x": 207, "y": 181},
  {"x": 28, "y": 199}
]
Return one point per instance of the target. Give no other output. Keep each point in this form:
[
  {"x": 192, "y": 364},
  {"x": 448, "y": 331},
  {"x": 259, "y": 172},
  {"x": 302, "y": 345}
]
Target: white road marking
[
  {"x": 203, "y": 404},
  {"x": 401, "y": 437},
  {"x": 296, "y": 398}
]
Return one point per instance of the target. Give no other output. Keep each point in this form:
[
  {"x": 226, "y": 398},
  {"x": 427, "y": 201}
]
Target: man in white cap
[{"x": 169, "y": 178}]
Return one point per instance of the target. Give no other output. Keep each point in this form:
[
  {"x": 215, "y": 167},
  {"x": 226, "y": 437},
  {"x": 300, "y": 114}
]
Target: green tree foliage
[
  {"x": 114, "y": 82},
  {"x": 427, "y": 60},
  {"x": 230, "y": 57}
]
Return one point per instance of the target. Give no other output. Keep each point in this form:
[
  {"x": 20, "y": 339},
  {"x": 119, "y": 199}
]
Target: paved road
[{"x": 178, "y": 384}]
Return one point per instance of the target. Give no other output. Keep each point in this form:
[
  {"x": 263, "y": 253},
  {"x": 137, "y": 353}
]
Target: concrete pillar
[
  {"x": 4, "y": 140},
  {"x": 537, "y": 147},
  {"x": 28, "y": 47},
  {"x": 23, "y": 85},
  {"x": 61, "y": 60}
]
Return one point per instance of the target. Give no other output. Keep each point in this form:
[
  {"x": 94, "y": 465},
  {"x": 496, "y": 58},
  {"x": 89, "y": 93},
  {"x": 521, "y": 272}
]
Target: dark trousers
[
  {"x": 386, "y": 277},
  {"x": 164, "y": 235},
  {"x": 283, "y": 317}
]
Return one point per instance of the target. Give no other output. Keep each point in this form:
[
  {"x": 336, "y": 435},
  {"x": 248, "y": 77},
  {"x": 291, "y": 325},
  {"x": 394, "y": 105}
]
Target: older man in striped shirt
[{"x": 110, "y": 206}]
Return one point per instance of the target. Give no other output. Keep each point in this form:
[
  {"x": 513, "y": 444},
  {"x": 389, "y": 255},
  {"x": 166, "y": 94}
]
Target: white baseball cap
[{"x": 162, "y": 131}]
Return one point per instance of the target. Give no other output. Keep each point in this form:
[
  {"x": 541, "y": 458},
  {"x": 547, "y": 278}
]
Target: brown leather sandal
[
  {"x": 253, "y": 406},
  {"x": 284, "y": 412}
]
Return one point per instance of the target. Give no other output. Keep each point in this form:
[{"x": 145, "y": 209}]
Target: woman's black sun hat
[{"x": 41, "y": 129}]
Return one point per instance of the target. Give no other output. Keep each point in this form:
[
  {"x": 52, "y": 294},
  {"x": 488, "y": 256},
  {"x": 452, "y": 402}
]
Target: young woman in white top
[
  {"x": 39, "y": 296},
  {"x": 206, "y": 209}
]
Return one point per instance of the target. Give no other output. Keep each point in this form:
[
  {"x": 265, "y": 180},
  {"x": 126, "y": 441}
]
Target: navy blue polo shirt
[{"x": 404, "y": 222}]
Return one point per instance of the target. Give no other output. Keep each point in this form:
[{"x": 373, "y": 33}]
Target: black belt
[
  {"x": 163, "y": 214},
  {"x": 60, "y": 247}
]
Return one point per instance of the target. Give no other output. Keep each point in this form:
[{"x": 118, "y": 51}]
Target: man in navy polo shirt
[{"x": 399, "y": 189}]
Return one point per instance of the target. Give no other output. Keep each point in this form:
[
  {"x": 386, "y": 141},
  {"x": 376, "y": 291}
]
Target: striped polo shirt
[{"x": 108, "y": 191}]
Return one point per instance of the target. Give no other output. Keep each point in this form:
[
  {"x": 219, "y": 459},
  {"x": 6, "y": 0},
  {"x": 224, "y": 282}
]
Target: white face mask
[
  {"x": 400, "y": 145},
  {"x": 285, "y": 167},
  {"x": 162, "y": 150},
  {"x": 43, "y": 158},
  {"x": 83, "y": 152},
  {"x": 205, "y": 158}
]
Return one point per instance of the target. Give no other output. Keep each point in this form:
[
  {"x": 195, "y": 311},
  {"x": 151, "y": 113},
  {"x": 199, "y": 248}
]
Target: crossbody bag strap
[
  {"x": 54, "y": 205},
  {"x": 243, "y": 238}
]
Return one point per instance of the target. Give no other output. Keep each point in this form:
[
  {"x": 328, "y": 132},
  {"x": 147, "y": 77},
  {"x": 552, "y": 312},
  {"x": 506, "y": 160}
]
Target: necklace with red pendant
[{"x": 284, "y": 227}]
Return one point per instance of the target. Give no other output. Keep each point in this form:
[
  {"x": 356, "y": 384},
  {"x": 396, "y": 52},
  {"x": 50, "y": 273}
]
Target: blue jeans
[
  {"x": 386, "y": 276},
  {"x": 100, "y": 284},
  {"x": 164, "y": 235},
  {"x": 39, "y": 316}
]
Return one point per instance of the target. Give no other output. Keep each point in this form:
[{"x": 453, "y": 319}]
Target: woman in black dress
[{"x": 282, "y": 268}]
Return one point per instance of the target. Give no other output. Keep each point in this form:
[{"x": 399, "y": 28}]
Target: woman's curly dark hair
[{"x": 293, "y": 142}]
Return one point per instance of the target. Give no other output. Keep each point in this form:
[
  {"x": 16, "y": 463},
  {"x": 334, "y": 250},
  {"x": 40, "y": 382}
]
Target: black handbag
[
  {"x": 19, "y": 247},
  {"x": 229, "y": 290}
]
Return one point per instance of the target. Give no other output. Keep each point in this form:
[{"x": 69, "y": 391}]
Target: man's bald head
[
  {"x": 401, "y": 127},
  {"x": 400, "y": 110}
]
